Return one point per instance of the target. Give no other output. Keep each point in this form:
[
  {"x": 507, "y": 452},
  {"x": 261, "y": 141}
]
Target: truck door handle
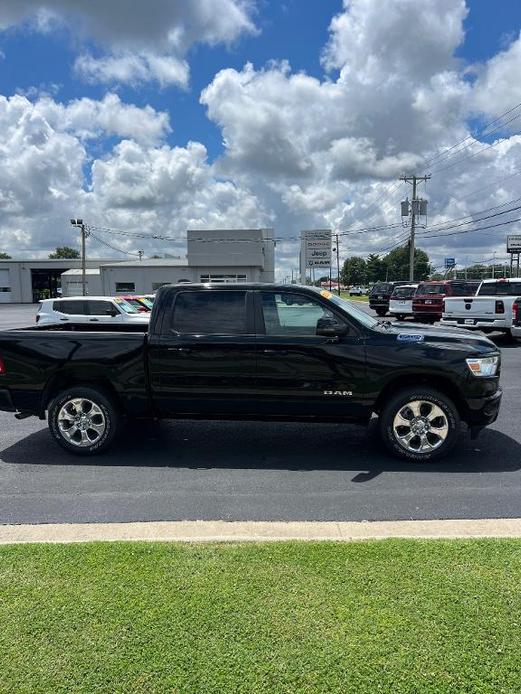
[
  {"x": 64, "y": 319},
  {"x": 179, "y": 349},
  {"x": 275, "y": 351},
  {"x": 93, "y": 320}
]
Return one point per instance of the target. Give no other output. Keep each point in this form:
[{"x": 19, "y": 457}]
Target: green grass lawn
[
  {"x": 394, "y": 616},
  {"x": 345, "y": 295}
]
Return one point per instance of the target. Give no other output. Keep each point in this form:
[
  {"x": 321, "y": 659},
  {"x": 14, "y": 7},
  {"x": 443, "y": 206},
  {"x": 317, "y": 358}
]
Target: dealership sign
[
  {"x": 316, "y": 248},
  {"x": 514, "y": 243}
]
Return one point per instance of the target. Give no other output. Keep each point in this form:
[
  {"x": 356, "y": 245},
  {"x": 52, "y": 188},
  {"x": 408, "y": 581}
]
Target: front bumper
[
  {"x": 483, "y": 411},
  {"x": 6, "y": 403}
]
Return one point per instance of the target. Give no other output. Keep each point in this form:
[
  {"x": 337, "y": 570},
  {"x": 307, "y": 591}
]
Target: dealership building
[{"x": 220, "y": 256}]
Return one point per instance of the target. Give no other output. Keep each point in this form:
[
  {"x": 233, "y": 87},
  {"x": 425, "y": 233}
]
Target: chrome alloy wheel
[
  {"x": 420, "y": 426},
  {"x": 81, "y": 422}
]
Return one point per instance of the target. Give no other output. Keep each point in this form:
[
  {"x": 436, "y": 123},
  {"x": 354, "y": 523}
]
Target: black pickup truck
[{"x": 247, "y": 351}]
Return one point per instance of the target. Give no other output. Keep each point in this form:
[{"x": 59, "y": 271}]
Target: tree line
[{"x": 393, "y": 266}]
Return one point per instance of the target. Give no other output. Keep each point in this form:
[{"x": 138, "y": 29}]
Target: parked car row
[{"x": 424, "y": 301}]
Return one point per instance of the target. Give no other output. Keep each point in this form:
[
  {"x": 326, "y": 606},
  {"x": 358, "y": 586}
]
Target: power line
[
  {"x": 473, "y": 221},
  {"x": 114, "y": 248},
  {"x": 469, "y": 231}
]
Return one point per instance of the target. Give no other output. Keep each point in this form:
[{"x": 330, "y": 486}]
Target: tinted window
[
  {"x": 292, "y": 314},
  {"x": 431, "y": 289},
  {"x": 74, "y": 308},
  {"x": 403, "y": 292},
  {"x": 101, "y": 308},
  {"x": 210, "y": 313},
  {"x": 462, "y": 289},
  {"x": 382, "y": 288},
  {"x": 500, "y": 289}
]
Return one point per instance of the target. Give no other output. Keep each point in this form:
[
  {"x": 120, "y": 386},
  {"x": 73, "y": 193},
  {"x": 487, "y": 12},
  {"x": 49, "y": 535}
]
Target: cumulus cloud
[
  {"x": 299, "y": 152},
  {"x": 141, "y": 184},
  {"x": 147, "y": 41}
]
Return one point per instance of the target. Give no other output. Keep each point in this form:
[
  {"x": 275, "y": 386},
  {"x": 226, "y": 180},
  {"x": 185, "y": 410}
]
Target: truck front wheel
[
  {"x": 83, "y": 420},
  {"x": 419, "y": 424}
]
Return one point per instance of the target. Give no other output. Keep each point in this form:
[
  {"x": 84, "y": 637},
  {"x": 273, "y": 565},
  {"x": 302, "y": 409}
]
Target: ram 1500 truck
[
  {"x": 495, "y": 307},
  {"x": 254, "y": 351}
]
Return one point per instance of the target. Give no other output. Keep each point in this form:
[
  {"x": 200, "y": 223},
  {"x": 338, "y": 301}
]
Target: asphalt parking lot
[{"x": 257, "y": 471}]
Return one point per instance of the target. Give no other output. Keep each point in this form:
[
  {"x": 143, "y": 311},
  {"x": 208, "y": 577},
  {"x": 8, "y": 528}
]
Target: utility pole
[
  {"x": 78, "y": 223},
  {"x": 140, "y": 254},
  {"x": 414, "y": 211},
  {"x": 337, "y": 266}
]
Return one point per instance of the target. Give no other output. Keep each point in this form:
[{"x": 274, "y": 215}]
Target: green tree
[
  {"x": 64, "y": 252},
  {"x": 354, "y": 271},
  {"x": 5, "y": 256},
  {"x": 374, "y": 268},
  {"x": 396, "y": 264}
]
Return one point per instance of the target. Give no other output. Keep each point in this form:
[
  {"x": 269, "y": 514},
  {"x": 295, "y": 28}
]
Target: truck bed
[{"x": 41, "y": 360}]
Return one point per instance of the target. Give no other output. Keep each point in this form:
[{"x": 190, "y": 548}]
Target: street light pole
[{"x": 78, "y": 223}]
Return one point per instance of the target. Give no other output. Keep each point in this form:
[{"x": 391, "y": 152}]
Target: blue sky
[
  {"x": 293, "y": 30},
  {"x": 108, "y": 101}
]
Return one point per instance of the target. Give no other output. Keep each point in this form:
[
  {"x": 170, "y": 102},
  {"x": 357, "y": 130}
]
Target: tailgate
[{"x": 465, "y": 307}]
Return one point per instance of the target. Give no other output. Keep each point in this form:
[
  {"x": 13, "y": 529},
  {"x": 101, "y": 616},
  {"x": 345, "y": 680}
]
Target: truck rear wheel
[
  {"x": 380, "y": 312},
  {"x": 419, "y": 424},
  {"x": 83, "y": 420}
]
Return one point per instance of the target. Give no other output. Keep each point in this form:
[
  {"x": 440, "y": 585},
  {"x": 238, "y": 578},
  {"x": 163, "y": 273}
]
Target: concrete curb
[{"x": 223, "y": 531}]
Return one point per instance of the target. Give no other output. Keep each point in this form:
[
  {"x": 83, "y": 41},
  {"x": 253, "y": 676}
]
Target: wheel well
[
  {"x": 60, "y": 383},
  {"x": 441, "y": 384}
]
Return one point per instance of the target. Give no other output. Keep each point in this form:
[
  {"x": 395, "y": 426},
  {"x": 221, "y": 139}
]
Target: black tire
[
  {"x": 100, "y": 427},
  {"x": 381, "y": 312},
  {"x": 440, "y": 445},
  {"x": 400, "y": 317}
]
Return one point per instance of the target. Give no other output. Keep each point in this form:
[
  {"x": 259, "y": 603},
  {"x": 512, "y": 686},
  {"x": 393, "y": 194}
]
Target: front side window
[
  {"x": 210, "y": 313},
  {"x": 286, "y": 313},
  {"x": 101, "y": 308}
]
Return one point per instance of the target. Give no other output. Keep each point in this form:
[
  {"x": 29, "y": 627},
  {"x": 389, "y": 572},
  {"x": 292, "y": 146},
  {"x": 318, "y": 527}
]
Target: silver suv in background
[{"x": 89, "y": 309}]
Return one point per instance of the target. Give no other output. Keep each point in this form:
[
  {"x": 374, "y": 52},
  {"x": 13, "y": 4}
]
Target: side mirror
[{"x": 329, "y": 327}]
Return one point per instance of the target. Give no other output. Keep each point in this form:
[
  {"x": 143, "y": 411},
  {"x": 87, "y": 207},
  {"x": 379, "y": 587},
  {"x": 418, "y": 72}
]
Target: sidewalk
[{"x": 222, "y": 531}]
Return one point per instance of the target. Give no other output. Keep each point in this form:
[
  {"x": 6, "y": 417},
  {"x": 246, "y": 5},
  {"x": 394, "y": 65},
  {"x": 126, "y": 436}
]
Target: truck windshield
[{"x": 347, "y": 307}]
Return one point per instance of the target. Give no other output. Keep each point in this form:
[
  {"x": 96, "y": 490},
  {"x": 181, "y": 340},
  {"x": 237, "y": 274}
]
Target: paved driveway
[{"x": 259, "y": 471}]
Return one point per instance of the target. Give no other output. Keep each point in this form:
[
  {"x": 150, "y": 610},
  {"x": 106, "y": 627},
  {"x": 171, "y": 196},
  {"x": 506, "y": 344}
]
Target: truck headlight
[{"x": 486, "y": 366}]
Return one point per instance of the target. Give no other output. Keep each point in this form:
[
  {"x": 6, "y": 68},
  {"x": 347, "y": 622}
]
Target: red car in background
[
  {"x": 427, "y": 303},
  {"x": 141, "y": 303}
]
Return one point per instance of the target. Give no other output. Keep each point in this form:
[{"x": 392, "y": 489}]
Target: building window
[
  {"x": 5, "y": 289},
  {"x": 222, "y": 279},
  {"x": 125, "y": 287}
]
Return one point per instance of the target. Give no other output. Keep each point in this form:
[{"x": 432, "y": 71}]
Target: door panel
[
  {"x": 300, "y": 373},
  {"x": 193, "y": 368}
]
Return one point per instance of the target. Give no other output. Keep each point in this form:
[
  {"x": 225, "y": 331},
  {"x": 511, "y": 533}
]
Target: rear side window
[
  {"x": 210, "y": 313},
  {"x": 71, "y": 308},
  {"x": 500, "y": 289}
]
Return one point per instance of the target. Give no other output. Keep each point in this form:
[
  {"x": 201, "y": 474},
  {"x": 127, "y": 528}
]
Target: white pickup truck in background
[{"x": 495, "y": 307}]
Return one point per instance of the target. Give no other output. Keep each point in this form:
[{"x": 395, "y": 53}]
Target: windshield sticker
[
  {"x": 326, "y": 294},
  {"x": 410, "y": 338}
]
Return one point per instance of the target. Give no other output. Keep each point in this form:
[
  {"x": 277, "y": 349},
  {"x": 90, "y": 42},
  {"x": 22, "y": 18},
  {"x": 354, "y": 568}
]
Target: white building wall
[{"x": 145, "y": 279}]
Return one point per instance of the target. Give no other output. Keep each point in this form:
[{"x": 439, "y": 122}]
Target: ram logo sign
[{"x": 341, "y": 393}]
